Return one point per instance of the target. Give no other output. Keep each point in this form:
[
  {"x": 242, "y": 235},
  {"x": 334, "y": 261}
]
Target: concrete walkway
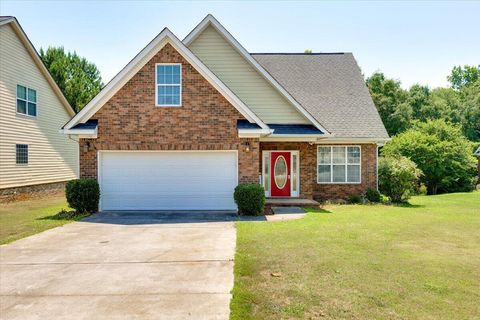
[{"x": 122, "y": 266}]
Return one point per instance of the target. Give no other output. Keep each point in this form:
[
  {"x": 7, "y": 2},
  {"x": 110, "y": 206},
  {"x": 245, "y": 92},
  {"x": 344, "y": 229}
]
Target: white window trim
[
  {"x": 28, "y": 155},
  {"x": 172, "y": 85},
  {"x": 346, "y": 164},
  {"x": 26, "y": 101}
]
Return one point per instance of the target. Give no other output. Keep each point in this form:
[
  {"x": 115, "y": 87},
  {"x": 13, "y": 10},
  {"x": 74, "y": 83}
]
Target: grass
[
  {"x": 416, "y": 261},
  {"x": 24, "y": 218}
]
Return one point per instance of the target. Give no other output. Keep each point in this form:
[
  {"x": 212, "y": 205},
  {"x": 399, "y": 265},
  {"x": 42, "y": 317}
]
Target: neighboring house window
[
  {"x": 22, "y": 153},
  {"x": 26, "y": 101},
  {"x": 338, "y": 164},
  {"x": 169, "y": 84}
]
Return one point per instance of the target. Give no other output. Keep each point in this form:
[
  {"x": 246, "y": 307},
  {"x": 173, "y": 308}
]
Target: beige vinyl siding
[
  {"x": 52, "y": 156},
  {"x": 246, "y": 82}
]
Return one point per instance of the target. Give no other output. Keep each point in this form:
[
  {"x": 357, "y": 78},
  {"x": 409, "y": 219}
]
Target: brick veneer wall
[
  {"x": 205, "y": 121},
  {"x": 309, "y": 188}
]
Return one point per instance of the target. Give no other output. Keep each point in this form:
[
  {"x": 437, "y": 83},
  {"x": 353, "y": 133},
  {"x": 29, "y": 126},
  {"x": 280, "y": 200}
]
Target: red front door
[{"x": 280, "y": 174}]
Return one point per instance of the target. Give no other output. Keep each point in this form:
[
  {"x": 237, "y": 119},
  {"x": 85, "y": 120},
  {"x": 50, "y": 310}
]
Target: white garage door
[{"x": 167, "y": 180}]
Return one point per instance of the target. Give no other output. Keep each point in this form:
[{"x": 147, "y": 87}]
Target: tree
[
  {"x": 387, "y": 95},
  {"x": 397, "y": 177},
  {"x": 78, "y": 78},
  {"x": 461, "y": 77},
  {"x": 399, "y": 108},
  {"x": 441, "y": 151},
  {"x": 470, "y": 110},
  {"x": 307, "y": 51}
]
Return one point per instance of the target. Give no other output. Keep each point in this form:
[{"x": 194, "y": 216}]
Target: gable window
[
  {"x": 21, "y": 153},
  {"x": 169, "y": 84},
  {"x": 26, "y": 101},
  {"x": 338, "y": 164}
]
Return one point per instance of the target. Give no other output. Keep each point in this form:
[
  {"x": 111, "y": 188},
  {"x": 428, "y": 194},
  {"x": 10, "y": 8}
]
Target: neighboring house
[
  {"x": 34, "y": 154},
  {"x": 186, "y": 121}
]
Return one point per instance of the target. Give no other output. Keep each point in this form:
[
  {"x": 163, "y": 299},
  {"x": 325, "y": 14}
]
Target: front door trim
[{"x": 265, "y": 179}]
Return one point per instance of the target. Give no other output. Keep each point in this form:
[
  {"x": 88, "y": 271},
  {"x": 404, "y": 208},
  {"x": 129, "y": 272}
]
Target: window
[
  {"x": 26, "y": 101},
  {"x": 22, "y": 153},
  {"x": 169, "y": 85},
  {"x": 338, "y": 164}
]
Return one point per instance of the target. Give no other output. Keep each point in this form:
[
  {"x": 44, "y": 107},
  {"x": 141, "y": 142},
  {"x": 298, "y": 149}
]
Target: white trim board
[
  {"x": 210, "y": 20},
  {"x": 164, "y": 37}
]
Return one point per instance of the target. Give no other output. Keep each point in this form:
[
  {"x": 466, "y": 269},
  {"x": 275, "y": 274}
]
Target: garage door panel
[
  {"x": 140, "y": 202},
  {"x": 168, "y": 180}
]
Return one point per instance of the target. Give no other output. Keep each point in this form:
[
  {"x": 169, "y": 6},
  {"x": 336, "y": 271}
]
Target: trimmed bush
[
  {"x": 83, "y": 195},
  {"x": 355, "y": 199},
  {"x": 250, "y": 198},
  {"x": 397, "y": 177},
  {"x": 372, "y": 195}
]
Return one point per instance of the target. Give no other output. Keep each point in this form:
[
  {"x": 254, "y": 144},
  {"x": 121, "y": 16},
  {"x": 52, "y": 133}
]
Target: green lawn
[
  {"x": 23, "y": 218},
  {"x": 420, "y": 261}
]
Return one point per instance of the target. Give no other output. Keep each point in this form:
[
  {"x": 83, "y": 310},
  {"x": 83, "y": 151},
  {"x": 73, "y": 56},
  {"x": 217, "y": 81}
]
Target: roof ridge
[{"x": 298, "y": 53}]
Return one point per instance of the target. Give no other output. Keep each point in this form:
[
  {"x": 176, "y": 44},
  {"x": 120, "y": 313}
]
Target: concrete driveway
[{"x": 122, "y": 266}]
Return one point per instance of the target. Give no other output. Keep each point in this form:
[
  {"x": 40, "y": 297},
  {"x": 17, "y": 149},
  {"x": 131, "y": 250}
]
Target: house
[
  {"x": 34, "y": 155},
  {"x": 186, "y": 121}
]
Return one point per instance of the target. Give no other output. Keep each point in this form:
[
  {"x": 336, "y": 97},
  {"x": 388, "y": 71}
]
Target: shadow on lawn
[
  {"x": 408, "y": 205},
  {"x": 316, "y": 210},
  {"x": 66, "y": 215}
]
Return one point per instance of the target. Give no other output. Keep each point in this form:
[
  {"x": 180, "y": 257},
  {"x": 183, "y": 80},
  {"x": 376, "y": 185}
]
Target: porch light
[
  {"x": 247, "y": 146},
  {"x": 86, "y": 146}
]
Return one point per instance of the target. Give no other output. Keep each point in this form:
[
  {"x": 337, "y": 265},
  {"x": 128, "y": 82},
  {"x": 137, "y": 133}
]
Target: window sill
[
  {"x": 168, "y": 106},
  {"x": 26, "y": 115},
  {"x": 339, "y": 182}
]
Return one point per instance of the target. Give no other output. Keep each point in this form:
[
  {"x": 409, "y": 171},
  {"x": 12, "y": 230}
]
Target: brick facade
[
  {"x": 309, "y": 188},
  {"x": 205, "y": 121}
]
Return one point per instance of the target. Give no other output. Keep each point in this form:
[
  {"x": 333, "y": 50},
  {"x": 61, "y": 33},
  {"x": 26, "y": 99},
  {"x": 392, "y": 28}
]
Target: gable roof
[
  {"x": 331, "y": 87},
  {"x": 477, "y": 152},
  {"x": 210, "y": 20},
  {"x": 164, "y": 37},
  {"x": 4, "y": 20}
]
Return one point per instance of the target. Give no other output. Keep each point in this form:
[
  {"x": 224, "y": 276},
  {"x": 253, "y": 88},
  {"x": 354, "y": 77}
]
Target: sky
[{"x": 414, "y": 42}]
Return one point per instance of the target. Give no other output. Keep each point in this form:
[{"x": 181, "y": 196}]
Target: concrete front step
[{"x": 288, "y": 202}]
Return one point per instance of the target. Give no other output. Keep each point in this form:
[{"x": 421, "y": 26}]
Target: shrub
[
  {"x": 83, "y": 195},
  {"x": 441, "y": 151},
  {"x": 355, "y": 199},
  {"x": 250, "y": 198},
  {"x": 372, "y": 195},
  {"x": 398, "y": 177},
  {"x": 422, "y": 190},
  {"x": 384, "y": 199}
]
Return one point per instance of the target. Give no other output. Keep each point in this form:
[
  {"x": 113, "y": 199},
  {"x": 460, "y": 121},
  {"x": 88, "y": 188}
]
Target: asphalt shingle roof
[
  {"x": 281, "y": 128},
  {"x": 89, "y": 125},
  {"x": 3, "y": 18},
  {"x": 331, "y": 88}
]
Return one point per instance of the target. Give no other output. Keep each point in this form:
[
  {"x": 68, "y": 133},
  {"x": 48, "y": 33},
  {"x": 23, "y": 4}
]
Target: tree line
[{"x": 434, "y": 133}]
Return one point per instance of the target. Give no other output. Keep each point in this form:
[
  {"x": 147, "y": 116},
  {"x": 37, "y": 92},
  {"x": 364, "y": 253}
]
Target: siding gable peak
[{"x": 265, "y": 96}]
